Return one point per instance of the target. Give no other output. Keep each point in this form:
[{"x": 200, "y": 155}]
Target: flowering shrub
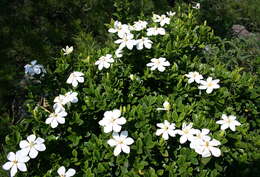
[{"x": 116, "y": 125}]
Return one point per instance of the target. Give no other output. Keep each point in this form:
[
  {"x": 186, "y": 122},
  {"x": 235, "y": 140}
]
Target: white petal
[
  {"x": 116, "y": 113},
  {"x": 54, "y": 124},
  {"x": 159, "y": 132},
  {"x": 25, "y": 151},
  {"x": 22, "y": 167},
  {"x": 121, "y": 121},
  {"x": 215, "y": 151},
  {"x": 48, "y": 120},
  {"x": 183, "y": 139},
  {"x": 165, "y": 136},
  {"x": 74, "y": 83},
  {"x": 80, "y": 79},
  {"x": 128, "y": 141},
  {"x": 61, "y": 170},
  {"x": 206, "y": 153},
  {"x": 125, "y": 148},
  {"x": 224, "y": 126},
  {"x": 108, "y": 129},
  {"x": 117, "y": 150},
  {"x": 70, "y": 172},
  {"x": 124, "y": 134},
  {"x": 209, "y": 90},
  {"x": 60, "y": 120},
  {"x": 13, "y": 170},
  {"x": 7, "y": 165},
  {"x": 116, "y": 128},
  {"x": 33, "y": 153},
  {"x": 39, "y": 140},
  {"x": 112, "y": 142},
  {"x": 24, "y": 144},
  {"x": 40, "y": 147},
  {"x": 232, "y": 127},
  {"x": 11, "y": 156}
]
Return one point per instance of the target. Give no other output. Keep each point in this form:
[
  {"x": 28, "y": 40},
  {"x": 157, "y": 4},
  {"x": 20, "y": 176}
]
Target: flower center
[
  {"x": 207, "y": 144},
  {"x": 15, "y": 162},
  {"x": 210, "y": 84},
  {"x": 186, "y": 131},
  {"x": 31, "y": 144}
]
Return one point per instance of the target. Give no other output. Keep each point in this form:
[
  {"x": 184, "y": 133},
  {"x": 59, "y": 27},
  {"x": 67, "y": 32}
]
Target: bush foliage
[{"x": 81, "y": 143}]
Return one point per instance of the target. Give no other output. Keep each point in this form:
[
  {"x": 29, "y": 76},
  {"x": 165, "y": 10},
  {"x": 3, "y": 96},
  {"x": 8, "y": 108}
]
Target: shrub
[{"x": 137, "y": 91}]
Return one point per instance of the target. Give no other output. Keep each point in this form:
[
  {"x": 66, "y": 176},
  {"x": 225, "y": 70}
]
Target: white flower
[
  {"x": 62, "y": 172},
  {"x": 159, "y": 64},
  {"x": 57, "y": 117},
  {"x": 132, "y": 77},
  {"x": 75, "y": 78},
  {"x": 207, "y": 147},
  {"x": 166, "y": 129},
  {"x": 166, "y": 106},
  {"x": 32, "y": 145},
  {"x": 104, "y": 61},
  {"x": 126, "y": 41},
  {"x": 186, "y": 133},
  {"x": 170, "y": 13},
  {"x": 228, "y": 122},
  {"x": 61, "y": 99},
  {"x": 209, "y": 84},
  {"x": 33, "y": 68},
  {"x": 194, "y": 76},
  {"x": 163, "y": 19},
  {"x": 112, "y": 121},
  {"x": 16, "y": 162},
  {"x": 196, "y": 6},
  {"x": 71, "y": 97},
  {"x": 67, "y": 50},
  {"x": 121, "y": 142},
  {"x": 155, "y": 31},
  {"x": 139, "y": 25},
  {"x": 199, "y": 135},
  {"x": 143, "y": 42},
  {"x": 119, "y": 28}
]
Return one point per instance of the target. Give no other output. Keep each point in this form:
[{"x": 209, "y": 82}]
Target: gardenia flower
[
  {"x": 209, "y": 84},
  {"x": 33, "y": 68},
  {"x": 207, "y": 147},
  {"x": 32, "y": 145},
  {"x": 121, "y": 142},
  {"x": 119, "y": 28},
  {"x": 104, "y": 61},
  {"x": 186, "y": 133},
  {"x": 194, "y": 76},
  {"x": 166, "y": 106},
  {"x": 155, "y": 31},
  {"x": 57, "y": 117},
  {"x": 228, "y": 122},
  {"x": 126, "y": 41},
  {"x": 159, "y": 64},
  {"x": 166, "y": 129},
  {"x": 16, "y": 162},
  {"x": 163, "y": 19},
  {"x": 199, "y": 135},
  {"x": 75, "y": 78},
  {"x": 143, "y": 42},
  {"x": 139, "y": 25},
  {"x": 62, "y": 172},
  {"x": 61, "y": 99},
  {"x": 71, "y": 97},
  {"x": 170, "y": 13},
  {"x": 112, "y": 121},
  {"x": 67, "y": 50}
]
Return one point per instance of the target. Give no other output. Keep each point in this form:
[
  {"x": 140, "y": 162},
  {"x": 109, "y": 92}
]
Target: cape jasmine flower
[
  {"x": 186, "y": 133},
  {"x": 159, "y": 64},
  {"x": 163, "y": 19},
  {"x": 33, "y": 68},
  {"x": 16, "y": 162},
  {"x": 75, "y": 78},
  {"x": 126, "y": 41},
  {"x": 228, "y": 122},
  {"x": 57, "y": 117},
  {"x": 104, "y": 61},
  {"x": 209, "y": 85},
  {"x": 62, "y": 172},
  {"x": 32, "y": 145},
  {"x": 207, "y": 147},
  {"x": 119, "y": 28},
  {"x": 143, "y": 42},
  {"x": 121, "y": 142},
  {"x": 154, "y": 31},
  {"x": 139, "y": 25},
  {"x": 166, "y": 129},
  {"x": 199, "y": 135},
  {"x": 166, "y": 106},
  {"x": 67, "y": 50},
  {"x": 112, "y": 121},
  {"x": 194, "y": 76}
]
